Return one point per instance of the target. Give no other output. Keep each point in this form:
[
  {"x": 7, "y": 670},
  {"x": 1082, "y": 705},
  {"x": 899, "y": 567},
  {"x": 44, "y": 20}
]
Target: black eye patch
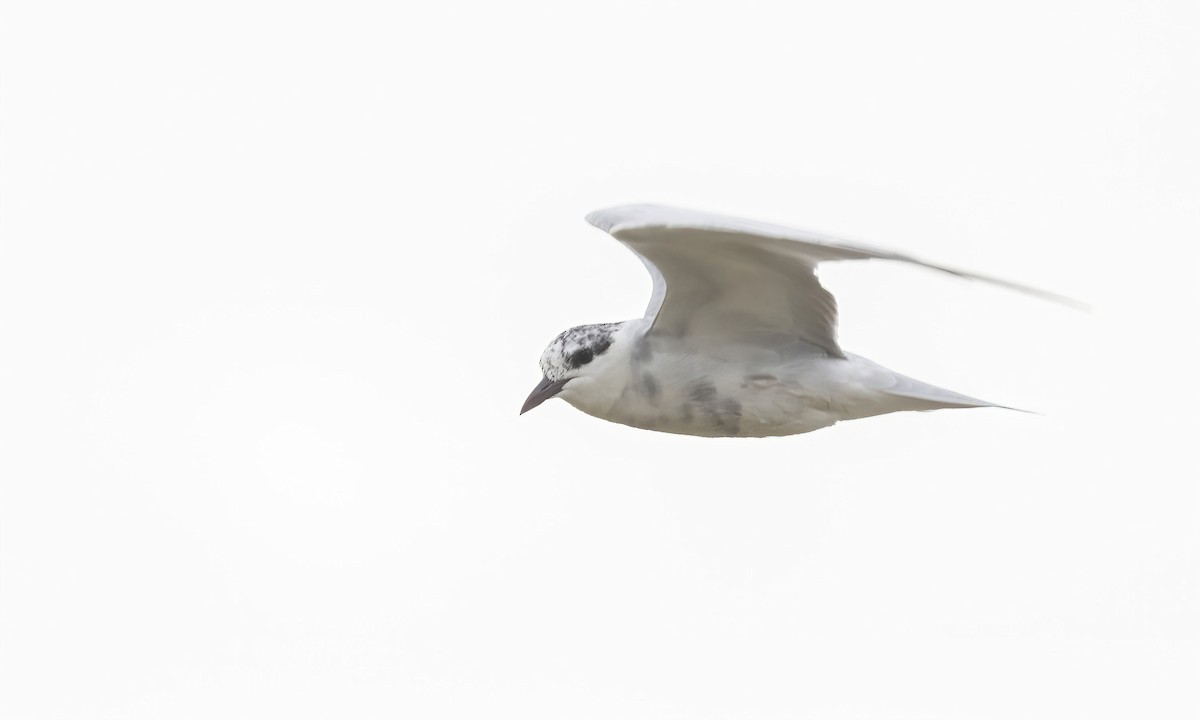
[{"x": 582, "y": 356}]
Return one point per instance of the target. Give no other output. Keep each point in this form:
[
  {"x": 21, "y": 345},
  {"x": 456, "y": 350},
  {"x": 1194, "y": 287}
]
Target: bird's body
[
  {"x": 671, "y": 385},
  {"x": 739, "y": 338}
]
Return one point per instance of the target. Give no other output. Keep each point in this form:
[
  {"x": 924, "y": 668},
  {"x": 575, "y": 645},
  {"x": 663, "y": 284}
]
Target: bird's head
[{"x": 573, "y": 357}]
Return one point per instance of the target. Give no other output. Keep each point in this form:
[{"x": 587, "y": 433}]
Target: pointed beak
[{"x": 545, "y": 390}]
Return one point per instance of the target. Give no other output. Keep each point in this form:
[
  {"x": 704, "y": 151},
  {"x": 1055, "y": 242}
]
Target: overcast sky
[{"x": 275, "y": 278}]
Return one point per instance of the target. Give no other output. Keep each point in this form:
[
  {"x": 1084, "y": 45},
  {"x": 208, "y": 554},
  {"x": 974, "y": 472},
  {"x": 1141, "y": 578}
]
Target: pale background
[{"x": 274, "y": 279}]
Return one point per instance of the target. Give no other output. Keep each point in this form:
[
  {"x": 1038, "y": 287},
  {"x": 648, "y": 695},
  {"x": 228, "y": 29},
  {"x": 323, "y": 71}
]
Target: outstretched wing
[{"x": 736, "y": 280}]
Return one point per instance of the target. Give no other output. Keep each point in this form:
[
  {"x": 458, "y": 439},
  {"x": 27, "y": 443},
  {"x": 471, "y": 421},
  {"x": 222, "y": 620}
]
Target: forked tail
[{"x": 913, "y": 394}]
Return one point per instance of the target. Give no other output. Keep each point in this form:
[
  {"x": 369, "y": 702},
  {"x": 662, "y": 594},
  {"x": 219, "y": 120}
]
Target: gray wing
[{"x": 736, "y": 280}]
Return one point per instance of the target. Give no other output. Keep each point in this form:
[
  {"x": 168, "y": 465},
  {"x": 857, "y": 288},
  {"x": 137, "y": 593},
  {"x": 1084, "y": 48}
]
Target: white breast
[{"x": 671, "y": 386}]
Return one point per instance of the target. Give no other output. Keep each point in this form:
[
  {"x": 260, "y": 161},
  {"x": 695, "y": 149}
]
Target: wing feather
[{"x": 740, "y": 280}]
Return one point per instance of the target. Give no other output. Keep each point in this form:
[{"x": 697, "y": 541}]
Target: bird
[{"x": 739, "y": 338}]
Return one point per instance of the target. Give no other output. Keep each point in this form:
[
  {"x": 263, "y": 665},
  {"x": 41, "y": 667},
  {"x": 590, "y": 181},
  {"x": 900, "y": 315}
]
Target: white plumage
[{"x": 739, "y": 337}]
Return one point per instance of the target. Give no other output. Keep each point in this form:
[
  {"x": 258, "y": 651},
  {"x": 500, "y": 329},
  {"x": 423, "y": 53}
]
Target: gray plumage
[{"x": 739, "y": 337}]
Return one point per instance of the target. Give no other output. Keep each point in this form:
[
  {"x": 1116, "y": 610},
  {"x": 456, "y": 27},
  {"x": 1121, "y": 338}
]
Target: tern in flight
[{"x": 739, "y": 338}]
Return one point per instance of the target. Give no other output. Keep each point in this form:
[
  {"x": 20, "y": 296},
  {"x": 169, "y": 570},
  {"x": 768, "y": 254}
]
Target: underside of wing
[
  {"x": 728, "y": 286},
  {"x": 730, "y": 279},
  {"x": 741, "y": 280}
]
